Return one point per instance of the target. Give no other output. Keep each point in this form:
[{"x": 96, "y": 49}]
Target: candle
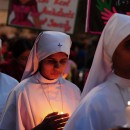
[
  {"x": 128, "y": 114},
  {"x": 61, "y": 112}
]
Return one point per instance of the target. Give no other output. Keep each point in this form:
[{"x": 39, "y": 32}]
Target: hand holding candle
[
  {"x": 128, "y": 114},
  {"x": 63, "y": 119},
  {"x": 53, "y": 121}
]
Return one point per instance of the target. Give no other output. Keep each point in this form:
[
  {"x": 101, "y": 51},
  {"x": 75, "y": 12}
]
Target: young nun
[
  {"x": 107, "y": 89},
  {"x": 43, "y": 100}
]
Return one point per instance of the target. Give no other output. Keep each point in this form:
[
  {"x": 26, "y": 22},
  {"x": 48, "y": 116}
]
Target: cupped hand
[{"x": 53, "y": 121}]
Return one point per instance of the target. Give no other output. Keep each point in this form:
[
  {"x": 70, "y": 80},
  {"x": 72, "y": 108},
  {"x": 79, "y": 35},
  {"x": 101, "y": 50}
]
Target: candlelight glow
[
  {"x": 128, "y": 103},
  {"x": 61, "y": 112}
]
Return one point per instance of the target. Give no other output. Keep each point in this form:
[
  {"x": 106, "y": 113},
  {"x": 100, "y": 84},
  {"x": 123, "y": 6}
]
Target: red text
[
  {"x": 66, "y": 26},
  {"x": 42, "y": 1},
  {"x": 62, "y": 2},
  {"x": 60, "y": 12}
]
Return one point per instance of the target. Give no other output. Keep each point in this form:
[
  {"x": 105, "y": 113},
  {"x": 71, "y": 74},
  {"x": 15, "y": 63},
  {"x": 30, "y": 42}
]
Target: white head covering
[
  {"x": 117, "y": 28},
  {"x": 46, "y": 44}
]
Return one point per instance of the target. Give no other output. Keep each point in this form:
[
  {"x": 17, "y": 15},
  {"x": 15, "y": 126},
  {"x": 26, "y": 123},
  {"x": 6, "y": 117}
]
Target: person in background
[
  {"x": 89, "y": 59},
  {"x": 107, "y": 89},
  {"x": 7, "y": 83},
  {"x": 71, "y": 71},
  {"x": 4, "y": 48},
  {"x": 41, "y": 101},
  {"x": 20, "y": 48}
]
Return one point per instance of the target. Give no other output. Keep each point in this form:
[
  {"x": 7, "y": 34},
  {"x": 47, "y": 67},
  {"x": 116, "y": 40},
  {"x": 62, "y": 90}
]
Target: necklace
[
  {"x": 47, "y": 96},
  {"x": 123, "y": 99}
]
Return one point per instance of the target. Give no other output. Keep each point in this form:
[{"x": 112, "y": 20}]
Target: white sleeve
[
  {"x": 8, "y": 119},
  {"x": 86, "y": 117}
]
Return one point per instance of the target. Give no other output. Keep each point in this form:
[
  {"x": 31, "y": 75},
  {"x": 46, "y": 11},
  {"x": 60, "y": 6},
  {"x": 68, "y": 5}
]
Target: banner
[
  {"x": 57, "y": 15},
  {"x": 99, "y": 12},
  {"x": 4, "y": 5}
]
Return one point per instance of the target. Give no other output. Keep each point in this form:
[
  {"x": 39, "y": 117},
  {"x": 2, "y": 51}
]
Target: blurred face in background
[
  {"x": 5, "y": 47},
  {"x": 22, "y": 59}
]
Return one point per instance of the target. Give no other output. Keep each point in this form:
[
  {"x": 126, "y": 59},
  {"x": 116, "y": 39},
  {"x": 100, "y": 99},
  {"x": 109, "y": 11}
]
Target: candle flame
[
  {"x": 128, "y": 103},
  {"x": 61, "y": 112}
]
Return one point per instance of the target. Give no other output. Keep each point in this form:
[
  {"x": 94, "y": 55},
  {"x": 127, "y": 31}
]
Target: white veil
[
  {"x": 117, "y": 28},
  {"x": 47, "y": 43}
]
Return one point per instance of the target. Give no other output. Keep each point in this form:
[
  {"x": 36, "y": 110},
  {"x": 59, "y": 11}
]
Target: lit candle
[
  {"x": 61, "y": 112},
  {"x": 128, "y": 114}
]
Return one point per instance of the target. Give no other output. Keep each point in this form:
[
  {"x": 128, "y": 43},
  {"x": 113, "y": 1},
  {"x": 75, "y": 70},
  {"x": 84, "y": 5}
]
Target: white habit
[
  {"x": 28, "y": 105},
  {"x": 103, "y": 108},
  {"x": 105, "y": 95},
  {"x": 35, "y": 97}
]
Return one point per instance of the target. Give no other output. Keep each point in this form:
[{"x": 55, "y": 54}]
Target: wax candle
[
  {"x": 61, "y": 112},
  {"x": 128, "y": 114}
]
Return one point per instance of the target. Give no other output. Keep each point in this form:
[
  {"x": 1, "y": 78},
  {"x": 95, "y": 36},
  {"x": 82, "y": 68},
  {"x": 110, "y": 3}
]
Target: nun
[
  {"x": 43, "y": 99},
  {"x": 107, "y": 89}
]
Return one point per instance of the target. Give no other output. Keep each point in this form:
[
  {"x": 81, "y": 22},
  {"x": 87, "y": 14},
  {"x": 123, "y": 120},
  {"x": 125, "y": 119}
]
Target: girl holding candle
[
  {"x": 107, "y": 89},
  {"x": 38, "y": 100}
]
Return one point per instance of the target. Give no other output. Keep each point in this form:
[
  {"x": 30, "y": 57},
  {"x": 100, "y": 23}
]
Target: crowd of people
[
  {"x": 15, "y": 50},
  {"x": 54, "y": 83}
]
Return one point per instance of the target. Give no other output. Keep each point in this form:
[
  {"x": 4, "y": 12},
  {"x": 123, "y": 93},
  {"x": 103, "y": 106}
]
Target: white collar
[
  {"x": 122, "y": 82},
  {"x": 41, "y": 79}
]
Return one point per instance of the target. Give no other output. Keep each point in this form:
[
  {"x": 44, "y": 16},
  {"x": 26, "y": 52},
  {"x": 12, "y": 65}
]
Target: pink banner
[{"x": 43, "y": 14}]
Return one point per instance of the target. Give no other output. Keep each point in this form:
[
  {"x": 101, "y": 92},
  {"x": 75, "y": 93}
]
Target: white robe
[
  {"x": 27, "y": 105},
  {"x": 7, "y": 83},
  {"x": 103, "y": 108}
]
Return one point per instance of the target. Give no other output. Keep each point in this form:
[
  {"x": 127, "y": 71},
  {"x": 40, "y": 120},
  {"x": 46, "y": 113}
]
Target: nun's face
[
  {"x": 53, "y": 66},
  {"x": 121, "y": 59}
]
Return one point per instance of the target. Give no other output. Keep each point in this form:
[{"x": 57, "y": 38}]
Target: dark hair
[
  {"x": 4, "y": 38},
  {"x": 20, "y": 45}
]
